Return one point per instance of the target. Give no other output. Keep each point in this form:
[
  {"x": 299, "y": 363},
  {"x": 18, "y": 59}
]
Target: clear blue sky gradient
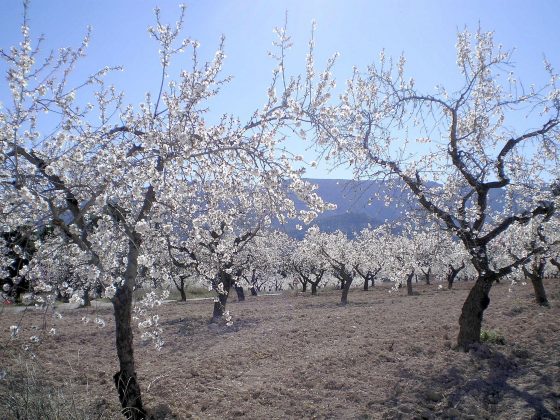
[{"x": 424, "y": 30}]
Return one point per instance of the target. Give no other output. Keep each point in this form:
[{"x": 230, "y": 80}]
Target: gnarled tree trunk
[
  {"x": 87, "y": 297},
  {"x": 254, "y": 283},
  {"x": 181, "y": 288},
  {"x": 183, "y": 295},
  {"x": 314, "y": 288},
  {"x": 536, "y": 276},
  {"x": 219, "y": 307},
  {"x": 220, "y": 303},
  {"x": 452, "y": 274},
  {"x": 346, "y": 282},
  {"x": 240, "y": 293},
  {"x": 409, "y": 290},
  {"x": 427, "y": 275},
  {"x": 470, "y": 321}
]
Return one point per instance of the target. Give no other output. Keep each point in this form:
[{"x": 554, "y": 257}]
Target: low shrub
[{"x": 494, "y": 337}]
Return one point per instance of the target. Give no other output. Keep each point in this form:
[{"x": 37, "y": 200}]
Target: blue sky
[{"x": 357, "y": 29}]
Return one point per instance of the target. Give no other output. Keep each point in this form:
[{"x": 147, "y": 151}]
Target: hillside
[
  {"x": 361, "y": 204},
  {"x": 357, "y": 206}
]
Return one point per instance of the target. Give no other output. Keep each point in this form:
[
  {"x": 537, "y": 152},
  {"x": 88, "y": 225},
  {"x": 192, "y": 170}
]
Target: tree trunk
[
  {"x": 452, "y": 274},
  {"x": 182, "y": 289},
  {"x": 240, "y": 293},
  {"x": 470, "y": 321},
  {"x": 314, "y": 288},
  {"x": 220, "y": 303},
  {"x": 304, "y": 286},
  {"x": 219, "y": 307},
  {"x": 409, "y": 290},
  {"x": 345, "y": 282},
  {"x": 536, "y": 275},
  {"x": 366, "y": 284},
  {"x": 427, "y": 275},
  {"x": 450, "y": 279},
  {"x": 86, "y": 298},
  {"x": 540, "y": 293},
  {"x": 125, "y": 379},
  {"x": 254, "y": 286}
]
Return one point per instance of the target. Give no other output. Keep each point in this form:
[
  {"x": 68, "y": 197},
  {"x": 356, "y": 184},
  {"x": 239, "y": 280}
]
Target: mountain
[
  {"x": 363, "y": 203},
  {"x": 359, "y": 204}
]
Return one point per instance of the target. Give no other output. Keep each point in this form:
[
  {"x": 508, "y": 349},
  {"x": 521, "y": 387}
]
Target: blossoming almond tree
[
  {"x": 370, "y": 244},
  {"x": 472, "y": 142},
  {"x": 308, "y": 263},
  {"x": 16, "y": 250},
  {"x": 340, "y": 255},
  {"x": 402, "y": 260},
  {"x": 215, "y": 253},
  {"x": 457, "y": 260},
  {"x": 539, "y": 239},
  {"x": 268, "y": 258},
  {"x": 109, "y": 178}
]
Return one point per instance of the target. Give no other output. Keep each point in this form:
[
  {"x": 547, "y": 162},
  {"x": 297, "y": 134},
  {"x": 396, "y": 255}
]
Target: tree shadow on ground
[{"x": 484, "y": 389}]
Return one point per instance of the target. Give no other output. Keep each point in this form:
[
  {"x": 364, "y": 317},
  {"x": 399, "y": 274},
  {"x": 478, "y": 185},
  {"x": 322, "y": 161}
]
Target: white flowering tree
[
  {"x": 542, "y": 241},
  {"x": 258, "y": 256},
  {"x": 109, "y": 179},
  {"x": 16, "y": 250},
  {"x": 339, "y": 253},
  {"x": 215, "y": 253},
  {"x": 429, "y": 244},
  {"x": 308, "y": 262},
  {"x": 457, "y": 260},
  {"x": 402, "y": 259},
  {"x": 370, "y": 246},
  {"x": 470, "y": 141},
  {"x": 268, "y": 260},
  {"x": 554, "y": 249}
]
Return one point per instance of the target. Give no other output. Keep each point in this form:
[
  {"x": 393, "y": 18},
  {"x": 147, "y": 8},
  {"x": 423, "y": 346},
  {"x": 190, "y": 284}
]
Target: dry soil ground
[{"x": 297, "y": 356}]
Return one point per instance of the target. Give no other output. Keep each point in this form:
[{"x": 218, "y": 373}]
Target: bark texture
[
  {"x": 240, "y": 293},
  {"x": 220, "y": 304},
  {"x": 470, "y": 321},
  {"x": 409, "y": 290},
  {"x": 314, "y": 289},
  {"x": 427, "y": 275},
  {"x": 125, "y": 379},
  {"x": 536, "y": 276},
  {"x": 452, "y": 274},
  {"x": 346, "y": 282},
  {"x": 181, "y": 288}
]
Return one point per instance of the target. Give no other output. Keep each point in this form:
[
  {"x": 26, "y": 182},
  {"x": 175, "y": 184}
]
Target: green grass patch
[{"x": 493, "y": 337}]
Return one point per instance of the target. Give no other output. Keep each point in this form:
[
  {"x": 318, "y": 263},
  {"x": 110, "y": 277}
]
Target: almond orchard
[{"x": 105, "y": 201}]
